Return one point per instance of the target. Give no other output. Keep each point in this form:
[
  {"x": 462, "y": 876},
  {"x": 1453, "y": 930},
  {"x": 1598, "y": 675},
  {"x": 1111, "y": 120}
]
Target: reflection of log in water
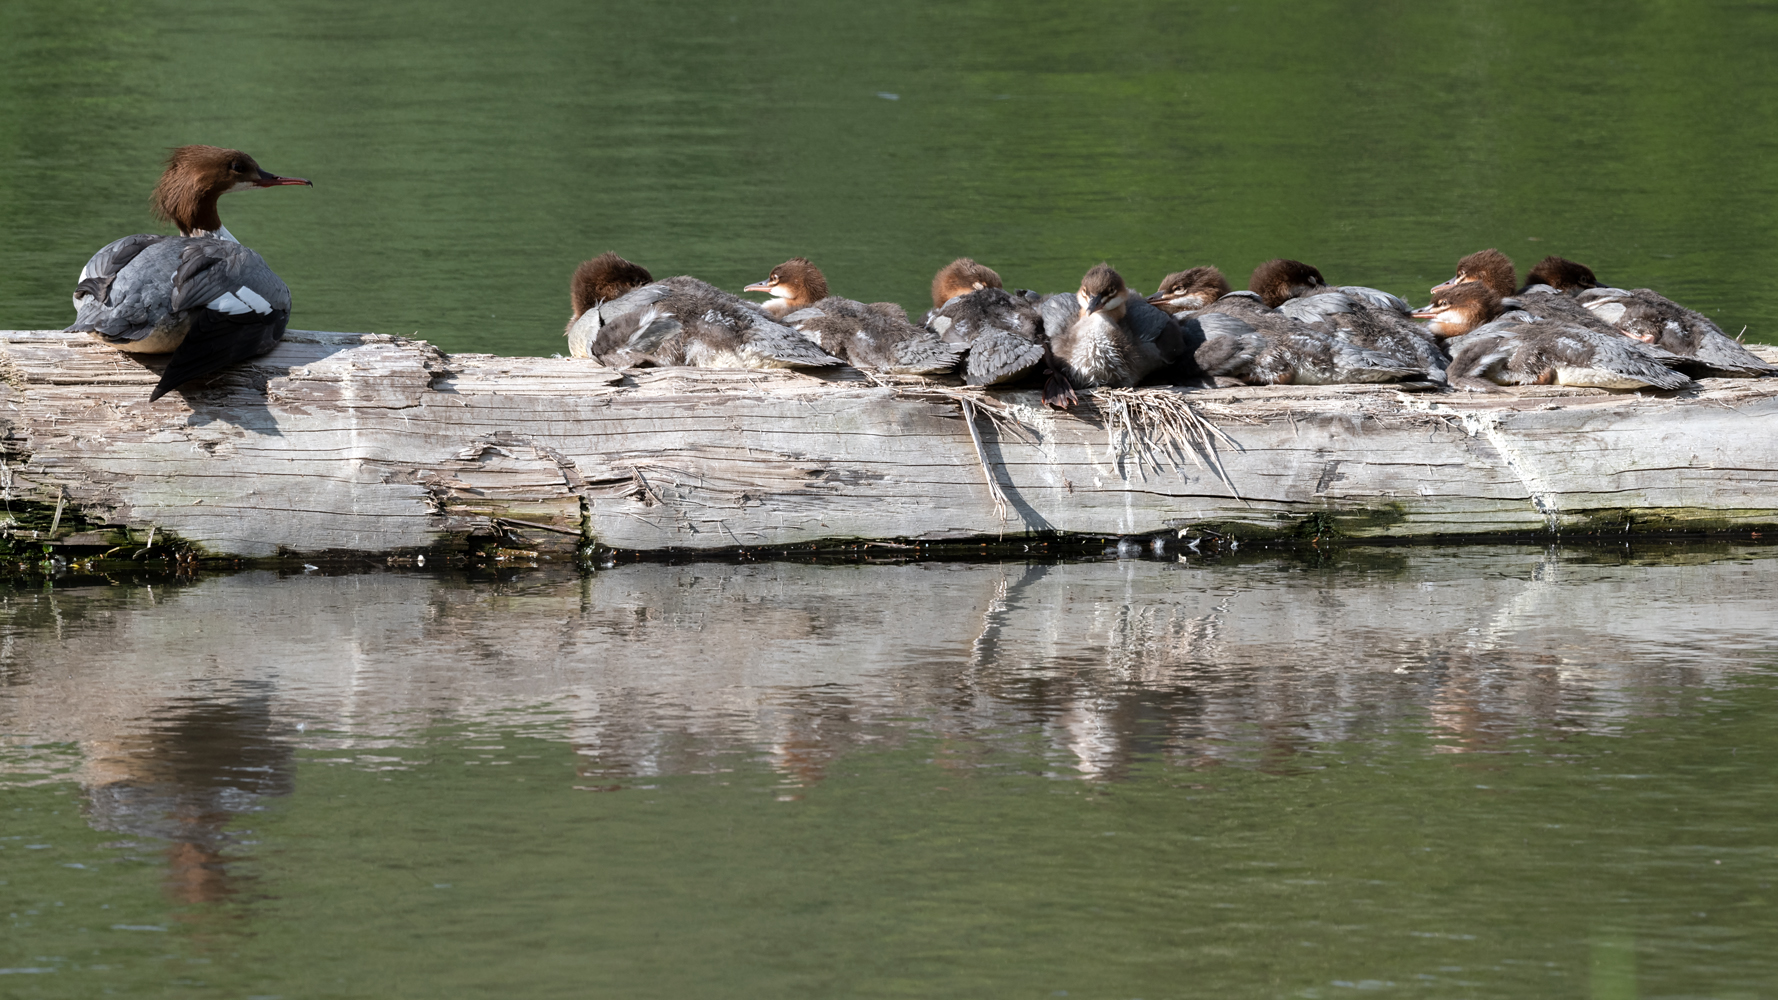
[
  {"x": 183, "y": 775},
  {"x": 654, "y": 669}
]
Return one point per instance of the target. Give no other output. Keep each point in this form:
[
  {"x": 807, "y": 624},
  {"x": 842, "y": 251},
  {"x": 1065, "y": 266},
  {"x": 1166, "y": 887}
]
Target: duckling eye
[{"x": 238, "y": 167}]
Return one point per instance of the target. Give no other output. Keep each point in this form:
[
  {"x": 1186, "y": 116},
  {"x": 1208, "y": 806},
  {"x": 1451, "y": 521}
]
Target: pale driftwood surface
[{"x": 371, "y": 443}]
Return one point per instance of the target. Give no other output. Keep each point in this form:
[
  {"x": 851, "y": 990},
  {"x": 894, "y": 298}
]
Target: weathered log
[{"x": 375, "y": 444}]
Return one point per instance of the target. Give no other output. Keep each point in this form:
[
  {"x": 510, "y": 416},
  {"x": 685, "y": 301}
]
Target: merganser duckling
[
  {"x": 1541, "y": 297},
  {"x": 597, "y": 282},
  {"x": 1245, "y": 342},
  {"x": 1366, "y": 318},
  {"x": 1190, "y": 290},
  {"x": 1490, "y": 267},
  {"x": 626, "y": 319},
  {"x": 1646, "y": 315},
  {"x": 200, "y": 295},
  {"x": 1494, "y": 350},
  {"x": 972, "y": 311},
  {"x": 1105, "y": 334},
  {"x": 1641, "y": 314},
  {"x": 1561, "y": 275},
  {"x": 877, "y": 336}
]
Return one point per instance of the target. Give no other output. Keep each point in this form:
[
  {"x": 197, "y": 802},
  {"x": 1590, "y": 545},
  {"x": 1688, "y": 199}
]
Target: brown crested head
[
  {"x": 960, "y": 277},
  {"x": 1099, "y": 284},
  {"x": 1191, "y": 289},
  {"x": 1490, "y": 267},
  {"x": 1277, "y": 281},
  {"x": 604, "y": 278},
  {"x": 198, "y": 175},
  {"x": 797, "y": 281},
  {"x": 1458, "y": 309},
  {"x": 1101, "y": 279},
  {"x": 1562, "y": 274}
]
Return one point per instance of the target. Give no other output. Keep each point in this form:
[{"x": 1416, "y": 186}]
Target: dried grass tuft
[{"x": 1160, "y": 428}]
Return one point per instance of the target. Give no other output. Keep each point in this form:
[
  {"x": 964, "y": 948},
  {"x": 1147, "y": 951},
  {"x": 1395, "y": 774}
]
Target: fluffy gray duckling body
[
  {"x": 1492, "y": 348},
  {"x": 1364, "y": 317},
  {"x": 625, "y": 319},
  {"x": 1245, "y": 342},
  {"x": 1001, "y": 331},
  {"x": 875, "y": 336}
]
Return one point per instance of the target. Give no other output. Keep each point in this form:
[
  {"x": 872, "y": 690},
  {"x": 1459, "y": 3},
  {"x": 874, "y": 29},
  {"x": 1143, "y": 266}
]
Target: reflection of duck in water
[
  {"x": 1564, "y": 289},
  {"x": 624, "y": 318},
  {"x": 200, "y": 295},
  {"x": 1002, "y": 331},
  {"x": 184, "y": 779},
  {"x": 1495, "y": 349},
  {"x": 1367, "y": 318},
  {"x": 1106, "y": 335},
  {"x": 1245, "y": 342},
  {"x": 877, "y": 336}
]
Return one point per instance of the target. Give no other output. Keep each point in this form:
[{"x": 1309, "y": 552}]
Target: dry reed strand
[{"x": 1160, "y": 427}]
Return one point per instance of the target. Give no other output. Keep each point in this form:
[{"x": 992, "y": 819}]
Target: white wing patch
[
  {"x": 254, "y": 299},
  {"x": 241, "y": 300}
]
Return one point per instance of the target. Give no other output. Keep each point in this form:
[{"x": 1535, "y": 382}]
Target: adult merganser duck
[
  {"x": 200, "y": 295},
  {"x": 624, "y": 318},
  {"x": 1492, "y": 349},
  {"x": 1366, "y": 318},
  {"x": 972, "y": 311},
  {"x": 1105, "y": 334},
  {"x": 1641, "y": 314},
  {"x": 1245, "y": 342},
  {"x": 877, "y": 336}
]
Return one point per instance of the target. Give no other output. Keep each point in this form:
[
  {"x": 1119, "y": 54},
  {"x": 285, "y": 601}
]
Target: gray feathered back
[{"x": 140, "y": 283}]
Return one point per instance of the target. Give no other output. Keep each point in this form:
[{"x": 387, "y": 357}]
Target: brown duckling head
[
  {"x": 795, "y": 284},
  {"x": 960, "y": 277},
  {"x": 1490, "y": 267},
  {"x": 1563, "y": 275},
  {"x": 604, "y": 278},
  {"x": 1458, "y": 309},
  {"x": 1278, "y": 281},
  {"x": 1184, "y": 291},
  {"x": 1102, "y": 289}
]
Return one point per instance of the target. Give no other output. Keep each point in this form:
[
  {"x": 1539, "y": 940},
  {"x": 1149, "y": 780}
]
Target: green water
[
  {"x": 1494, "y": 772},
  {"x": 1477, "y": 773},
  {"x": 466, "y": 156}
]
